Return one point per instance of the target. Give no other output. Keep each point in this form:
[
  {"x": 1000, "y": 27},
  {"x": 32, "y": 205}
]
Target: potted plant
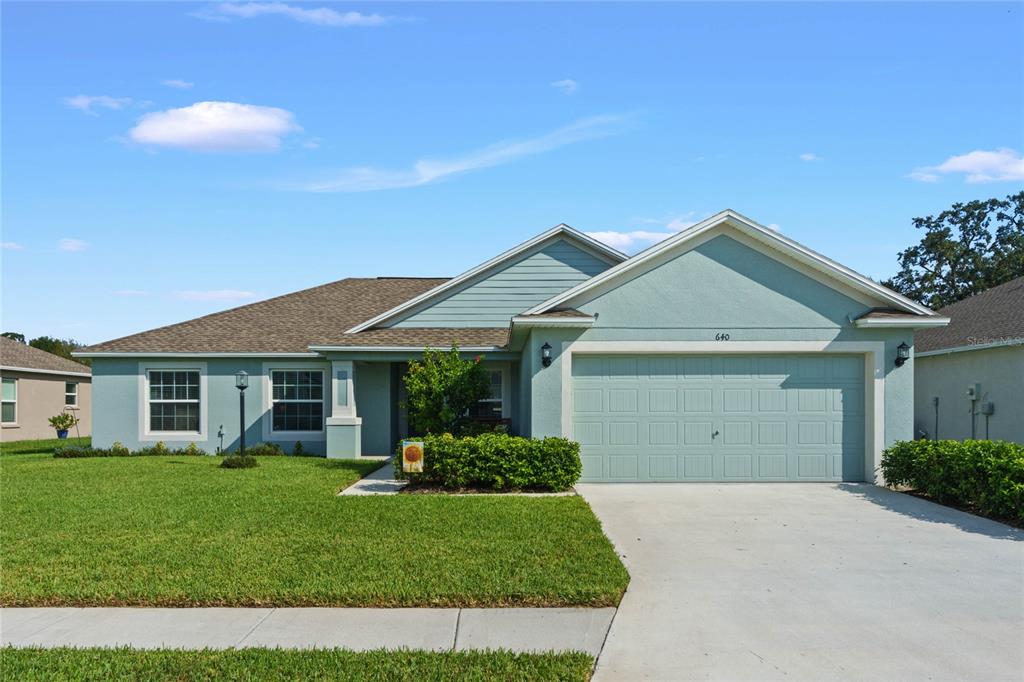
[{"x": 62, "y": 422}]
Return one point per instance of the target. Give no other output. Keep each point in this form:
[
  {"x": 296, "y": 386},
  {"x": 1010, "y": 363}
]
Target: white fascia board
[
  {"x": 102, "y": 354},
  {"x": 912, "y": 323},
  {"x": 761, "y": 233},
  {"x": 605, "y": 252},
  {"x": 399, "y": 349},
  {"x": 30, "y": 370},
  {"x": 554, "y": 321},
  {"x": 966, "y": 349}
]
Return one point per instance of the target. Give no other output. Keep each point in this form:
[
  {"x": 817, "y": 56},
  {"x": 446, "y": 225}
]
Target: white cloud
[
  {"x": 427, "y": 171},
  {"x": 320, "y": 16},
  {"x": 566, "y": 85},
  {"x": 635, "y": 240},
  {"x": 67, "y": 244},
  {"x": 809, "y": 156},
  {"x": 11, "y": 246},
  {"x": 311, "y": 143},
  {"x": 214, "y": 295},
  {"x": 216, "y": 126},
  {"x": 89, "y": 103},
  {"x": 131, "y": 292},
  {"x": 177, "y": 83},
  {"x": 1000, "y": 165},
  {"x": 773, "y": 226}
]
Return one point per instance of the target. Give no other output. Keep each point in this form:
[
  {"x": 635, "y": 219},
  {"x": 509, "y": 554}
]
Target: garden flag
[{"x": 412, "y": 456}]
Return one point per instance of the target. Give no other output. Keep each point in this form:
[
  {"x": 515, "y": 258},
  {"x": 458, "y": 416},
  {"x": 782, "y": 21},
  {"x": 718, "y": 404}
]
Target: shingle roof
[
  {"x": 993, "y": 316},
  {"x": 286, "y": 324},
  {"x": 433, "y": 337},
  {"x": 559, "y": 312},
  {"x": 888, "y": 314},
  {"x": 17, "y": 354}
]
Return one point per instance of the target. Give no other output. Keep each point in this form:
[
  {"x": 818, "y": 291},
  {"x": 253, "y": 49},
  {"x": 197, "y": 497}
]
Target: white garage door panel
[{"x": 719, "y": 418}]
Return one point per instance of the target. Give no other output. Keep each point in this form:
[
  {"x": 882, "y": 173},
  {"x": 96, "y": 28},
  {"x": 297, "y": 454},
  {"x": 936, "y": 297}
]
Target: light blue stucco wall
[
  {"x": 535, "y": 276},
  {"x": 116, "y": 402},
  {"x": 721, "y": 286},
  {"x": 999, "y": 373}
]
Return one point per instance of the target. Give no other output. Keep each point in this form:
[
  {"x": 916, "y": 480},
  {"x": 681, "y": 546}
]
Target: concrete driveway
[{"x": 808, "y": 582}]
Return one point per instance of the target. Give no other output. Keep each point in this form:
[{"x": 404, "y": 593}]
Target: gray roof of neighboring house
[
  {"x": 14, "y": 354},
  {"x": 993, "y": 316},
  {"x": 312, "y": 317}
]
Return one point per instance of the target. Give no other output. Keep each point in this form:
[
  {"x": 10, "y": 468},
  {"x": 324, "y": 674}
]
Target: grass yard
[
  {"x": 281, "y": 664},
  {"x": 180, "y": 531},
  {"x": 22, "y": 447}
]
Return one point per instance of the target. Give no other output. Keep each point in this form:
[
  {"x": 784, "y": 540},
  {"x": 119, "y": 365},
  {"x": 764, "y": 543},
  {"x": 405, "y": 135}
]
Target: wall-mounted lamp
[
  {"x": 902, "y": 354},
  {"x": 545, "y": 354}
]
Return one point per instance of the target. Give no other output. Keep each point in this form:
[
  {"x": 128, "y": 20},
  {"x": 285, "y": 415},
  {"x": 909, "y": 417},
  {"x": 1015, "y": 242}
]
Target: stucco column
[{"x": 344, "y": 426}]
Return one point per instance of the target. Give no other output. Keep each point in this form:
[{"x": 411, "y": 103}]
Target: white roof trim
[
  {"x": 904, "y": 323},
  {"x": 964, "y": 349},
  {"x": 30, "y": 370},
  {"x": 121, "y": 354},
  {"x": 580, "y": 321},
  {"x": 753, "y": 229},
  {"x": 394, "y": 349},
  {"x": 606, "y": 252}
]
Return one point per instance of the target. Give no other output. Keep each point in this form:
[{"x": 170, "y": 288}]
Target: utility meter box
[
  {"x": 973, "y": 391},
  {"x": 988, "y": 408}
]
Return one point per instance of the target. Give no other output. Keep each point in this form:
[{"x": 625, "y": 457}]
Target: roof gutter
[
  {"x": 531, "y": 321},
  {"x": 923, "y": 322},
  {"x": 121, "y": 354},
  {"x": 402, "y": 349},
  {"x": 30, "y": 370}
]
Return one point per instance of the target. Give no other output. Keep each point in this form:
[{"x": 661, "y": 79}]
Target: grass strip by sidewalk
[
  {"x": 180, "y": 531},
  {"x": 283, "y": 664},
  {"x": 47, "y": 445}
]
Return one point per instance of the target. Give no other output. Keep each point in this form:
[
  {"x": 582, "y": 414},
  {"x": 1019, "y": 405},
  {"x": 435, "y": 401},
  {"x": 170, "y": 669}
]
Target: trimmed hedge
[
  {"x": 983, "y": 474},
  {"x": 238, "y": 462},
  {"x": 119, "y": 450},
  {"x": 496, "y": 461},
  {"x": 159, "y": 449}
]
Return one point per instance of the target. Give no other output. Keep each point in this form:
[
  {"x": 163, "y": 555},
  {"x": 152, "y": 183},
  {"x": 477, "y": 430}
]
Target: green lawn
[
  {"x": 180, "y": 531},
  {"x": 282, "y": 664},
  {"x": 22, "y": 447}
]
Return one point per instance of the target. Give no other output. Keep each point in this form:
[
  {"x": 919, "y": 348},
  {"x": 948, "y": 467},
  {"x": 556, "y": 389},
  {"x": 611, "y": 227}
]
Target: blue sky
[{"x": 166, "y": 160}]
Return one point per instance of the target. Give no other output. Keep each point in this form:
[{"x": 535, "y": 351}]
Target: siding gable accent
[{"x": 491, "y": 300}]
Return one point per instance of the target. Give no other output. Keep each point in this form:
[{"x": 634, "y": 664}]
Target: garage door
[{"x": 719, "y": 418}]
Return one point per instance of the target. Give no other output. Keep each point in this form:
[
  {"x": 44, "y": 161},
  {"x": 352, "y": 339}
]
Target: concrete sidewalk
[
  {"x": 380, "y": 482},
  {"x": 576, "y": 629}
]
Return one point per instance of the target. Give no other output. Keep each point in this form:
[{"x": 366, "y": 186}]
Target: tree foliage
[
  {"x": 965, "y": 250},
  {"x": 14, "y": 336},
  {"x": 441, "y": 389}
]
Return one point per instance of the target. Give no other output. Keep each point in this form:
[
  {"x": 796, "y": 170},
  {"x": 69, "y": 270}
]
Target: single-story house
[
  {"x": 727, "y": 352},
  {"x": 38, "y": 385},
  {"x": 969, "y": 379}
]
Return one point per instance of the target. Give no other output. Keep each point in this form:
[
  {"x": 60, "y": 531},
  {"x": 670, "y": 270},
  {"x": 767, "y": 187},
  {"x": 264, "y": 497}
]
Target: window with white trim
[
  {"x": 9, "y": 406},
  {"x": 297, "y": 400},
  {"x": 491, "y": 407},
  {"x": 70, "y": 394},
  {"x": 174, "y": 400}
]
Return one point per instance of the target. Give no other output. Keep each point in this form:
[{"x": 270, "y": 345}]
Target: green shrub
[
  {"x": 119, "y": 450},
  {"x": 298, "y": 450},
  {"x": 983, "y": 474},
  {"x": 442, "y": 388},
  {"x": 264, "y": 450},
  {"x": 63, "y": 421},
  {"x": 497, "y": 461},
  {"x": 238, "y": 462}
]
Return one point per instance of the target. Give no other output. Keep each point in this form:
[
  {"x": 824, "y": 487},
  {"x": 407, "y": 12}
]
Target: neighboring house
[
  {"x": 969, "y": 381},
  {"x": 38, "y": 385},
  {"x": 726, "y": 352}
]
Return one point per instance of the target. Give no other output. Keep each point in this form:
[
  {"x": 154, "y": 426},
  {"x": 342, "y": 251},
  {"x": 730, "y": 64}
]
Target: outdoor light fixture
[
  {"x": 241, "y": 383},
  {"x": 902, "y": 354},
  {"x": 545, "y": 354}
]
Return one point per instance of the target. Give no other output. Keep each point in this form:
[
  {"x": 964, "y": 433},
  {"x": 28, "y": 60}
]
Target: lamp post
[{"x": 241, "y": 383}]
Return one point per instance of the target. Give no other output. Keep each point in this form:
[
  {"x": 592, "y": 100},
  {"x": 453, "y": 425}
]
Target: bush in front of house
[
  {"x": 264, "y": 450},
  {"x": 496, "y": 461},
  {"x": 238, "y": 461},
  {"x": 987, "y": 475},
  {"x": 159, "y": 449}
]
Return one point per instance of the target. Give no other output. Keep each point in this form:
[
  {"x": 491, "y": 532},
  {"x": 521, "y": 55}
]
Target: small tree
[{"x": 441, "y": 390}]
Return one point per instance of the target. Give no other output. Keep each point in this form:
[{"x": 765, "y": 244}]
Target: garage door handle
[{"x": 714, "y": 434}]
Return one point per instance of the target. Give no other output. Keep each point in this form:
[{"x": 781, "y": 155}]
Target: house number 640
[{"x": 721, "y": 336}]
